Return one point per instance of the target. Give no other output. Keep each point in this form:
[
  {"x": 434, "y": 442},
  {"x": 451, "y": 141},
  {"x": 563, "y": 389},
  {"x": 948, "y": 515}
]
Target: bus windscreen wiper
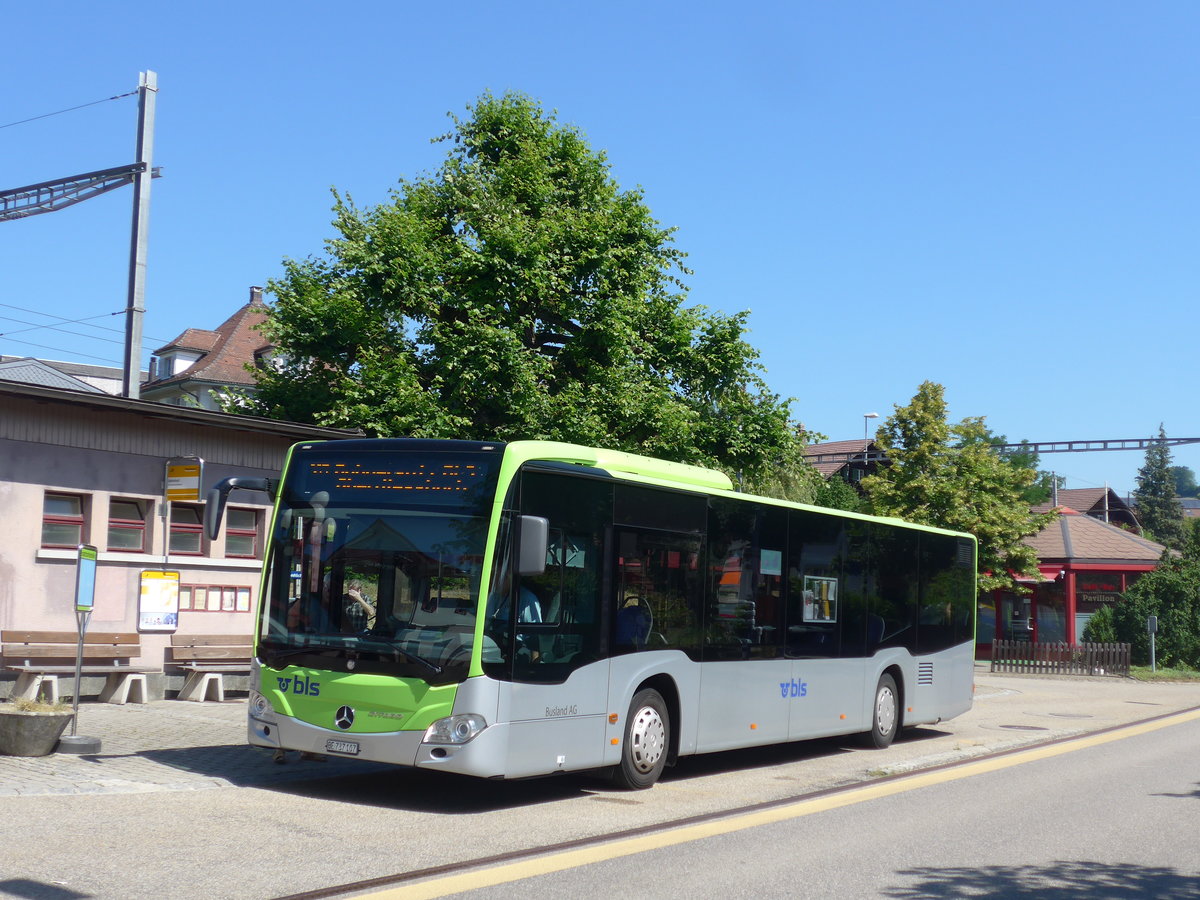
[
  {"x": 420, "y": 660},
  {"x": 273, "y": 657}
]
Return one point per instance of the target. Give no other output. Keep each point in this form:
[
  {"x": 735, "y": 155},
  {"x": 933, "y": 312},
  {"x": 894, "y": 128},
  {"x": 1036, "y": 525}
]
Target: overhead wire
[
  {"x": 103, "y": 359},
  {"x": 68, "y": 109},
  {"x": 84, "y": 321}
]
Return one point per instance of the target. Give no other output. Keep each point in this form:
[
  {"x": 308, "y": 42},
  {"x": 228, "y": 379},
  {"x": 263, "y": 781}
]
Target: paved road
[
  {"x": 1031, "y": 824},
  {"x": 176, "y": 804}
]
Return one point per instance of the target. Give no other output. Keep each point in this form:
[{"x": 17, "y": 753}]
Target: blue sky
[{"x": 1002, "y": 198}]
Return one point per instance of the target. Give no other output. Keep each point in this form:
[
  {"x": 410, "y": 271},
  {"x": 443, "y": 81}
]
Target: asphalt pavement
[{"x": 172, "y": 745}]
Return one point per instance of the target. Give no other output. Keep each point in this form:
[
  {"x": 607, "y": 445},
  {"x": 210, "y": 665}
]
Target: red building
[{"x": 1087, "y": 563}]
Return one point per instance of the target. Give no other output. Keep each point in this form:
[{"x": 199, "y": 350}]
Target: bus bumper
[
  {"x": 396, "y": 747},
  {"x": 483, "y": 756}
]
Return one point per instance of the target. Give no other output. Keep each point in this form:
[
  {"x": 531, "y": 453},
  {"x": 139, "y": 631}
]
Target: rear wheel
[
  {"x": 647, "y": 738},
  {"x": 885, "y": 719}
]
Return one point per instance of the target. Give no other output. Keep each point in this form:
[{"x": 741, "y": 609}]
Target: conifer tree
[{"x": 1157, "y": 506}]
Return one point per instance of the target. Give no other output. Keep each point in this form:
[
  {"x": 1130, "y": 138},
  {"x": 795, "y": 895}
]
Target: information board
[
  {"x": 158, "y": 601},
  {"x": 85, "y": 579}
]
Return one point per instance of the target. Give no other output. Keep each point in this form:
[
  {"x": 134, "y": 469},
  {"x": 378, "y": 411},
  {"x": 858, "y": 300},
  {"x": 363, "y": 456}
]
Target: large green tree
[
  {"x": 948, "y": 475},
  {"x": 519, "y": 292},
  {"x": 1185, "y": 481},
  {"x": 1157, "y": 506}
]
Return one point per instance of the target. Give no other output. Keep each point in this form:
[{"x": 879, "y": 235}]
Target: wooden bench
[
  {"x": 207, "y": 658},
  {"x": 40, "y": 657}
]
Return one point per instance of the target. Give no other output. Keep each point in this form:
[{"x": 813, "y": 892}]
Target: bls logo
[
  {"x": 793, "y": 688},
  {"x": 300, "y": 685}
]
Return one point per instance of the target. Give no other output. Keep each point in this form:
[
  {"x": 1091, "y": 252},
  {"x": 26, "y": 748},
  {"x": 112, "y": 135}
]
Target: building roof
[
  {"x": 1099, "y": 503},
  {"x": 1078, "y": 538},
  {"x": 97, "y": 376},
  {"x": 196, "y": 339},
  {"x": 27, "y": 370},
  {"x": 226, "y": 351},
  {"x": 832, "y": 456},
  {"x": 200, "y": 417}
]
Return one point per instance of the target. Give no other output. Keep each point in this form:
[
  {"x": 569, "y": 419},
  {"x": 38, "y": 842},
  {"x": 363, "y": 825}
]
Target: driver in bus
[{"x": 529, "y": 610}]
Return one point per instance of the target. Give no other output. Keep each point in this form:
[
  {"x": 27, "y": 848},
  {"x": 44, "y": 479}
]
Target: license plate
[{"x": 342, "y": 747}]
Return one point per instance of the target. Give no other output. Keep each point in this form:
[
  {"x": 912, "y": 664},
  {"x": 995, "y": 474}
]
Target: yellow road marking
[{"x": 570, "y": 859}]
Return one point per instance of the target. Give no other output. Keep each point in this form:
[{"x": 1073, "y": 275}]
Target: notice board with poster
[{"x": 158, "y": 601}]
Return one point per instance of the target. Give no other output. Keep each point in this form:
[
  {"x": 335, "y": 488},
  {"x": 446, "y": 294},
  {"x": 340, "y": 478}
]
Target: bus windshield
[{"x": 375, "y": 562}]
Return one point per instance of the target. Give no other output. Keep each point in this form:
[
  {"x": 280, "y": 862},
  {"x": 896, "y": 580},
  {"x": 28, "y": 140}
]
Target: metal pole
[
  {"x": 166, "y": 516},
  {"x": 139, "y": 238},
  {"x": 81, "y": 619}
]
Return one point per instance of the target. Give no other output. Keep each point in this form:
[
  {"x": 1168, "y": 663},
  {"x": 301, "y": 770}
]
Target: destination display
[{"x": 451, "y": 479}]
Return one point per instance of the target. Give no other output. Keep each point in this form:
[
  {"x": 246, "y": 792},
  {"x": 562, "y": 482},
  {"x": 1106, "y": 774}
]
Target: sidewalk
[
  {"x": 164, "y": 745},
  {"x": 172, "y": 745}
]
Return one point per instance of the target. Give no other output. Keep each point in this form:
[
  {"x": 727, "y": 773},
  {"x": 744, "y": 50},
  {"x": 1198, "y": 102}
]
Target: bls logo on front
[{"x": 298, "y": 685}]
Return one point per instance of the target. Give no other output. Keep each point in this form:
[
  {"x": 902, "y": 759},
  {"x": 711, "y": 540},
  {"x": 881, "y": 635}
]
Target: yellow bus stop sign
[{"x": 183, "y": 481}]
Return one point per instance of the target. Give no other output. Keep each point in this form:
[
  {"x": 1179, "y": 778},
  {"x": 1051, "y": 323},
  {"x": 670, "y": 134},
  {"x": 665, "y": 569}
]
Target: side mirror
[
  {"x": 535, "y": 539},
  {"x": 214, "y": 504}
]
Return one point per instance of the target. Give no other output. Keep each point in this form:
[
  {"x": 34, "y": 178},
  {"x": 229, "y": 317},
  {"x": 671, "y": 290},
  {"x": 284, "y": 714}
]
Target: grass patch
[{"x": 1143, "y": 673}]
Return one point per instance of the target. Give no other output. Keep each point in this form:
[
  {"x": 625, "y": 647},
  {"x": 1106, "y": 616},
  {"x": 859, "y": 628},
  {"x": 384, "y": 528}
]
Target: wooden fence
[{"x": 1026, "y": 657}]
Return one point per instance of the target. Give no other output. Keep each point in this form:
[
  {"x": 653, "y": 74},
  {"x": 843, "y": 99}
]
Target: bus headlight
[
  {"x": 454, "y": 729},
  {"x": 260, "y": 708}
]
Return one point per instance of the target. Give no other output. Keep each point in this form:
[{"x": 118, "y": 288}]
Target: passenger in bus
[
  {"x": 634, "y": 621},
  {"x": 359, "y": 613}
]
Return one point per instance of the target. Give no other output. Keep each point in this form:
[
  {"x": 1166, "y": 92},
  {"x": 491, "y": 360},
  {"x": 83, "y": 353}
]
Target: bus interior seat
[{"x": 633, "y": 625}]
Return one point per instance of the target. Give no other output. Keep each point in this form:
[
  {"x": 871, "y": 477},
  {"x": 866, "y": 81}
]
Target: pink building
[{"x": 85, "y": 467}]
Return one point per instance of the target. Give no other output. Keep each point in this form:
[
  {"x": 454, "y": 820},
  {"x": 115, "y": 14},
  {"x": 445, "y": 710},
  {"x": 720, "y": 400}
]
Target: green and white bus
[{"x": 521, "y": 609}]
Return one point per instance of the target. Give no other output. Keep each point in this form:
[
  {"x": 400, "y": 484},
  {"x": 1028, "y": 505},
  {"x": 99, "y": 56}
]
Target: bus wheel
[
  {"x": 647, "y": 739},
  {"x": 885, "y": 721}
]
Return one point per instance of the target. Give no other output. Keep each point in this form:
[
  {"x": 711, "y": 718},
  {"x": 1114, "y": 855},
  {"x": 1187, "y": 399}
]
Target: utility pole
[{"x": 139, "y": 239}]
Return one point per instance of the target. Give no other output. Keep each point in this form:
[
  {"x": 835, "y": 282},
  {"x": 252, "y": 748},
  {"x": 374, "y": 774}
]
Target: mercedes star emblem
[{"x": 344, "y": 718}]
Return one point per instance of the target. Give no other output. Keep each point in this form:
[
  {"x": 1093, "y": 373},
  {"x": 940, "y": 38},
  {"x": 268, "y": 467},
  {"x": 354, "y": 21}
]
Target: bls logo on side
[
  {"x": 793, "y": 688},
  {"x": 303, "y": 686}
]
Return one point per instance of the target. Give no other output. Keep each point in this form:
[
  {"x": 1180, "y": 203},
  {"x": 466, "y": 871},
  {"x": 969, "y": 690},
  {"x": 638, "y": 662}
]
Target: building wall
[
  {"x": 37, "y": 583},
  {"x": 119, "y": 449}
]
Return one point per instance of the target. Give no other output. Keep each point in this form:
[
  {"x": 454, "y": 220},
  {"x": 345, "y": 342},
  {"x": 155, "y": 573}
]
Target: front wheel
[
  {"x": 885, "y": 720},
  {"x": 647, "y": 738}
]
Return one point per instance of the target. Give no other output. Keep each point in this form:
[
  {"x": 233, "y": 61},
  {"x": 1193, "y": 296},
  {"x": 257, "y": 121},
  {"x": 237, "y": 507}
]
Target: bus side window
[
  {"x": 815, "y": 614},
  {"x": 566, "y": 634},
  {"x": 660, "y": 590}
]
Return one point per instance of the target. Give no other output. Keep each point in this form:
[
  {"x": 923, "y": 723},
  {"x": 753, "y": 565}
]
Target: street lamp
[
  {"x": 867, "y": 442},
  {"x": 865, "y": 417}
]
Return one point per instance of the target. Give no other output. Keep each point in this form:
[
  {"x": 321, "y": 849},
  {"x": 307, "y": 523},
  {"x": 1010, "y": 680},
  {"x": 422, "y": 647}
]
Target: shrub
[
  {"x": 1100, "y": 628},
  {"x": 1171, "y": 593}
]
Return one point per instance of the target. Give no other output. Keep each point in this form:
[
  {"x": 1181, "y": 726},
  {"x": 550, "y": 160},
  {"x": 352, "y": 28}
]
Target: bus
[{"x": 509, "y": 610}]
